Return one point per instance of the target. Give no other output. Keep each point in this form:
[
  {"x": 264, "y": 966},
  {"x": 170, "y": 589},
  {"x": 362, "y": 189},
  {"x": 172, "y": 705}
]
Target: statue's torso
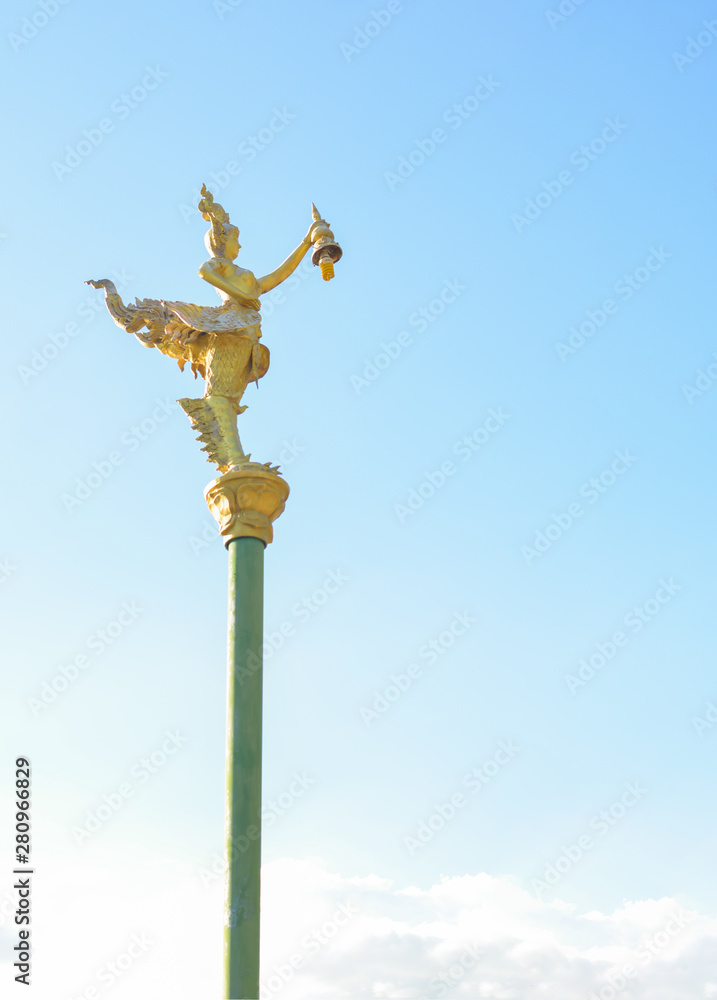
[{"x": 245, "y": 283}]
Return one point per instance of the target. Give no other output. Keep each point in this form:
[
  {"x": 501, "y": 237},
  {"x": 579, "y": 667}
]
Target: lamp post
[
  {"x": 222, "y": 344},
  {"x": 242, "y": 889},
  {"x": 245, "y": 504}
]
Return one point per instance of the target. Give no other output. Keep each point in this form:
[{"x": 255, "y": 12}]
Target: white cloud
[
  {"x": 353, "y": 937},
  {"x": 411, "y": 942}
]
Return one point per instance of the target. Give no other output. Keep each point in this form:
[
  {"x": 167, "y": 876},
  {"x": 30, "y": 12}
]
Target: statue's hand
[
  {"x": 105, "y": 283},
  {"x": 311, "y": 234}
]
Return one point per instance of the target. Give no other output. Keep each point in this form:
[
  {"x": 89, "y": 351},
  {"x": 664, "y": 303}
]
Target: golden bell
[{"x": 326, "y": 249}]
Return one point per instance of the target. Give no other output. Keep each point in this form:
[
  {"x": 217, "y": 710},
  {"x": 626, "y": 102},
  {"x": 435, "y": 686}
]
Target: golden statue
[{"x": 220, "y": 343}]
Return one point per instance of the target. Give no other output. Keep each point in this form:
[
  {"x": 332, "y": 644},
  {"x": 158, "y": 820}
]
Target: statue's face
[{"x": 231, "y": 245}]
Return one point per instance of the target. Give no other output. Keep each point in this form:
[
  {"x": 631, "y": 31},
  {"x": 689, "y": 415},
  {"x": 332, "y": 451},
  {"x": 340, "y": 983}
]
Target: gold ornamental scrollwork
[{"x": 246, "y": 501}]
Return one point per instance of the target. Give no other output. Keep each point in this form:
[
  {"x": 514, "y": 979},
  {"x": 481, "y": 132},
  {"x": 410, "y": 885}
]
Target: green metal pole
[{"x": 243, "y": 774}]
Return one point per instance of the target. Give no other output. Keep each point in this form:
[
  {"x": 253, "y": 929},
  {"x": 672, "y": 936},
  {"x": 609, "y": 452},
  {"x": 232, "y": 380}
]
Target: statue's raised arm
[{"x": 326, "y": 251}]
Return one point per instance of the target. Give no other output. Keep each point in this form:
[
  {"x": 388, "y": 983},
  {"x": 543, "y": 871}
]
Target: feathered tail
[{"x": 215, "y": 417}]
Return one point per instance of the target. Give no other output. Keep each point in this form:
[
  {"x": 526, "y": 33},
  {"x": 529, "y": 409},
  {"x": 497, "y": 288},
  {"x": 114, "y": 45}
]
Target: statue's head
[{"x": 222, "y": 240}]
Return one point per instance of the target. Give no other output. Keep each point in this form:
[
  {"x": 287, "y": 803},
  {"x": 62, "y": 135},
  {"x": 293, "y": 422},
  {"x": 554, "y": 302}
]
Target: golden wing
[{"x": 164, "y": 329}]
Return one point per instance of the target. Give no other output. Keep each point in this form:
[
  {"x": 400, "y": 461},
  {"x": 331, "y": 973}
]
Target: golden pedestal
[{"x": 245, "y": 501}]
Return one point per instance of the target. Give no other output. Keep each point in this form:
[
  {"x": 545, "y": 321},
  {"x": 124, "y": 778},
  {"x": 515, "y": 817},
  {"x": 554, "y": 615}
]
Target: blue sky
[{"x": 526, "y": 202}]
